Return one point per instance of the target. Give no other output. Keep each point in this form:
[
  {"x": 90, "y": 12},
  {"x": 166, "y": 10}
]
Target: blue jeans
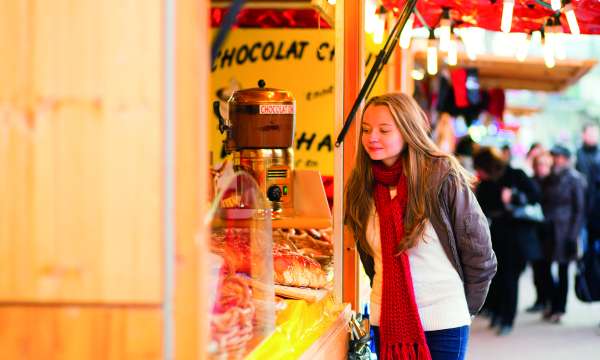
[{"x": 447, "y": 344}]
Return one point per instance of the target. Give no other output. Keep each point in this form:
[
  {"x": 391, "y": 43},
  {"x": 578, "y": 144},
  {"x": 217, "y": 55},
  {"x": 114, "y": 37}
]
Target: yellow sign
[{"x": 297, "y": 60}]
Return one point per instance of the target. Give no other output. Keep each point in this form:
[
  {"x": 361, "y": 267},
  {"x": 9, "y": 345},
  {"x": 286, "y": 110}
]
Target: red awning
[
  {"x": 528, "y": 15},
  {"x": 272, "y": 18}
]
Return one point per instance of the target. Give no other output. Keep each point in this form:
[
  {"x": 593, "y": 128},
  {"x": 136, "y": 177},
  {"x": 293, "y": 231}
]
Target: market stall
[
  {"x": 272, "y": 249},
  {"x": 129, "y": 229},
  {"x": 280, "y": 259}
]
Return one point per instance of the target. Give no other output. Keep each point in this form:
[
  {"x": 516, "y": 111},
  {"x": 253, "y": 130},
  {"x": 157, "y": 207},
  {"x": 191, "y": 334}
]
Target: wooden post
[
  {"x": 396, "y": 64},
  {"x": 191, "y": 111},
  {"x": 400, "y": 70},
  {"x": 392, "y": 69},
  {"x": 349, "y": 78},
  {"x": 406, "y": 66}
]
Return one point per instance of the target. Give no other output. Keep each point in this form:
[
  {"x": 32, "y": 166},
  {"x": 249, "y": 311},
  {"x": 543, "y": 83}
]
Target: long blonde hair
[{"x": 420, "y": 158}]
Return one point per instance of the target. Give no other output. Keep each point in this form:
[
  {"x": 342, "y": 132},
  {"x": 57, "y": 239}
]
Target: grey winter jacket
[{"x": 464, "y": 234}]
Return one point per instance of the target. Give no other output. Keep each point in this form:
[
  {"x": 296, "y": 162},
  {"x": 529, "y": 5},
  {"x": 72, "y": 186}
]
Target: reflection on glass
[{"x": 242, "y": 296}]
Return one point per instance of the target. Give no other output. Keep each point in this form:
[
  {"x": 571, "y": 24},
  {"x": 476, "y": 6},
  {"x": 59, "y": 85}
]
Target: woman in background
[
  {"x": 501, "y": 189},
  {"x": 541, "y": 164}
]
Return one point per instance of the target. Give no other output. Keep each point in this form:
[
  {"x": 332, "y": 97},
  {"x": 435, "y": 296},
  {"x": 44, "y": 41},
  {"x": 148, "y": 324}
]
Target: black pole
[
  {"x": 226, "y": 25},
  {"x": 381, "y": 59}
]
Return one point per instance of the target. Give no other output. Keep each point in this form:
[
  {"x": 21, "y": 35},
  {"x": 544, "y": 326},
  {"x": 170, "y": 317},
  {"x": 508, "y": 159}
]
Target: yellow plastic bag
[{"x": 298, "y": 326}]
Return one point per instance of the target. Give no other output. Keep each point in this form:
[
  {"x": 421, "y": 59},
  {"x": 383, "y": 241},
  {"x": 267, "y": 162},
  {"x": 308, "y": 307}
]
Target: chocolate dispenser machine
[{"x": 260, "y": 134}]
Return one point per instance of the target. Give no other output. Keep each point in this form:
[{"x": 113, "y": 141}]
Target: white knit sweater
[{"x": 438, "y": 288}]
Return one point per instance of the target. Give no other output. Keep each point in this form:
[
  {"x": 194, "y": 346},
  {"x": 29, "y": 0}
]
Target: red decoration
[
  {"x": 528, "y": 15},
  {"x": 496, "y": 103},
  {"x": 272, "y": 18}
]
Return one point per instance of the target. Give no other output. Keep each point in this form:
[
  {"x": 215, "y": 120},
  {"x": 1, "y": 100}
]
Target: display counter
[{"x": 271, "y": 280}]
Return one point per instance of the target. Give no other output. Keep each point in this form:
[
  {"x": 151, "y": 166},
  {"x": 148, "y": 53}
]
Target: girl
[{"x": 421, "y": 235}]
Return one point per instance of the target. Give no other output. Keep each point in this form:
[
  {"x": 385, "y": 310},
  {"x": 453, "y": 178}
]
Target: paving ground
[{"x": 576, "y": 338}]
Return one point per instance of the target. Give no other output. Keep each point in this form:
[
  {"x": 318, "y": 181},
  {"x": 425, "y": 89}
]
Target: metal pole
[
  {"x": 380, "y": 61},
  {"x": 169, "y": 181}
]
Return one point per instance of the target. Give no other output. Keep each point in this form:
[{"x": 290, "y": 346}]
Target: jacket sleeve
[
  {"x": 526, "y": 192},
  {"x": 578, "y": 207},
  {"x": 473, "y": 243}
]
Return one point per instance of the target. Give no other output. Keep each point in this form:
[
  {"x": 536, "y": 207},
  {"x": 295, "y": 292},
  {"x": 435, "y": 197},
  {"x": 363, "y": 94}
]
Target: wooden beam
[
  {"x": 350, "y": 70},
  {"x": 531, "y": 74},
  {"x": 588, "y": 65},
  {"x": 519, "y": 84},
  {"x": 74, "y": 332},
  {"x": 191, "y": 156},
  {"x": 407, "y": 65}
]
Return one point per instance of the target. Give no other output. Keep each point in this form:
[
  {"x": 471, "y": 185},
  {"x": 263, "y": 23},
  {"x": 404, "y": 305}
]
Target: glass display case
[
  {"x": 268, "y": 273},
  {"x": 241, "y": 293}
]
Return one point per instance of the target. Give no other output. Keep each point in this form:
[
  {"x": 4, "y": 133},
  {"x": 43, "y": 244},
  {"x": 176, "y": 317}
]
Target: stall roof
[
  {"x": 531, "y": 74},
  {"x": 522, "y": 110},
  {"x": 291, "y": 14},
  {"x": 528, "y": 15}
]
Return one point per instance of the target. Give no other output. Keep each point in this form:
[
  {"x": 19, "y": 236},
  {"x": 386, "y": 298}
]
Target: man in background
[
  {"x": 588, "y": 163},
  {"x": 564, "y": 208}
]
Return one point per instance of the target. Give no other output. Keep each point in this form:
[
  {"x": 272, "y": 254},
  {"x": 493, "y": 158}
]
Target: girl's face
[{"x": 380, "y": 135}]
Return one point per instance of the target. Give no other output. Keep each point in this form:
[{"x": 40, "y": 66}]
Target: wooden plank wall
[
  {"x": 81, "y": 184},
  {"x": 75, "y": 332},
  {"x": 80, "y": 151}
]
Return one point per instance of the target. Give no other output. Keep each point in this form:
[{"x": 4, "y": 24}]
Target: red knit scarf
[{"x": 402, "y": 335}]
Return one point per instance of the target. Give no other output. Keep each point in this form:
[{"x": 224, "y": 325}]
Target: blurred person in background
[
  {"x": 444, "y": 135},
  {"x": 541, "y": 164},
  {"x": 465, "y": 147},
  {"x": 500, "y": 189},
  {"x": 535, "y": 149},
  {"x": 563, "y": 204},
  {"x": 588, "y": 163},
  {"x": 506, "y": 153}
]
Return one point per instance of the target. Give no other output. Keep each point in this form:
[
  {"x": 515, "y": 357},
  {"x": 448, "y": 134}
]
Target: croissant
[{"x": 297, "y": 270}]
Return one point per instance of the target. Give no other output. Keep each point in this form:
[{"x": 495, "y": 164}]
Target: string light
[
  {"x": 432, "y": 56},
  {"x": 559, "y": 46},
  {"x": 331, "y": 2},
  {"x": 571, "y": 18},
  {"x": 556, "y": 5},
  {"x": 558, "y": 39},
  {"x": 548, "y": 50},
  {"x": 445, "y": 30},
  {"x": 452, "y": 52},
  {"x": 370, "y": 16},
  {"x": 536, "y": 37},
  {"x": 523, "y": 48},
  {"x": 407, "y": 32},
  {"x": 379, "y": 29},
  {"x": 417, "y": 74},
  {"x": 473, "y": 40},
  {"x": 507, "y": 14},
  {"x": 548, "y": 31}
]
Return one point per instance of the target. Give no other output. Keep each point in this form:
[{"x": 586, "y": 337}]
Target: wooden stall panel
[
  {"x": 74, "y": 333},
  {"x": 80, "y": 145}
]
